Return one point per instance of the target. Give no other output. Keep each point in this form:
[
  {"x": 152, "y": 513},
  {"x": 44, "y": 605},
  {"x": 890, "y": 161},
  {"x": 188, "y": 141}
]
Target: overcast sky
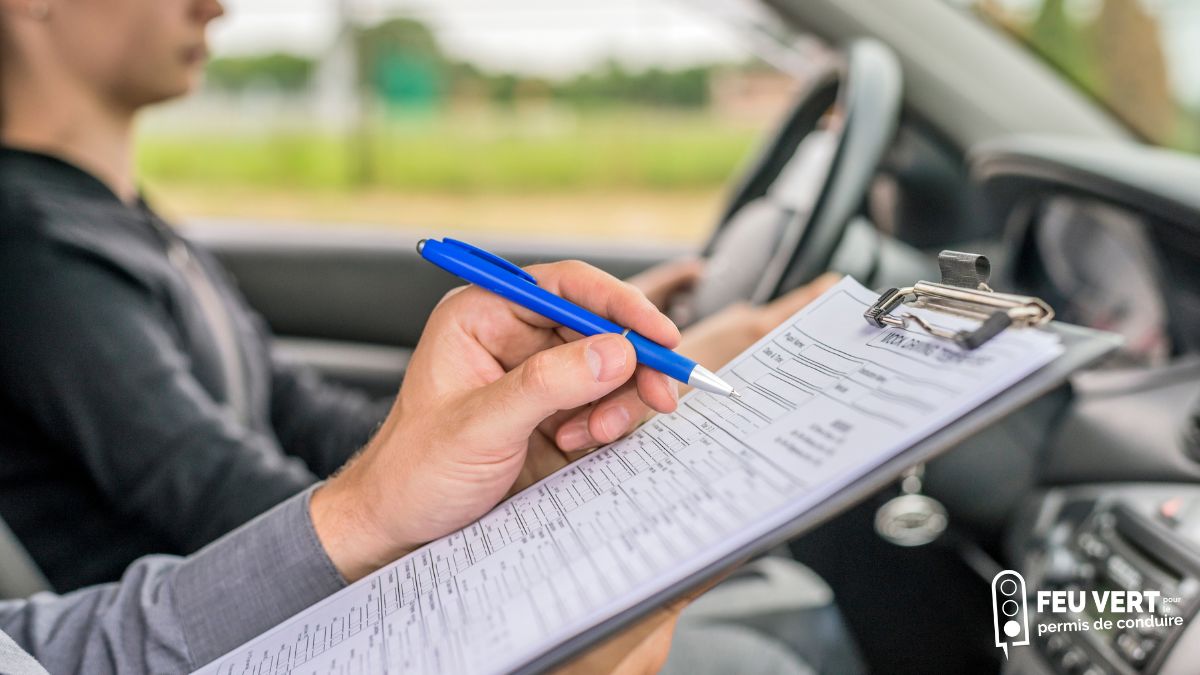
[{"x": 539, "y": 36}]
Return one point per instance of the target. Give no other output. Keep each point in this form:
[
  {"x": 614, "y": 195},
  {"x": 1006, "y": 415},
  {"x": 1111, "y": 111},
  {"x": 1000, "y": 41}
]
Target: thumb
[{"x": 561, "y": 378}]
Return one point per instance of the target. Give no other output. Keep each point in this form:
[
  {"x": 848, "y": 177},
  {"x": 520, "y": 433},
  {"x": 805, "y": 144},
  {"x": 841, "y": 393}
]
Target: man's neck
[{"x": 72, "y": 126}]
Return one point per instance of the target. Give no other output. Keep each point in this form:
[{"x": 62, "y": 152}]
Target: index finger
[{"x": 602, "y": 293}]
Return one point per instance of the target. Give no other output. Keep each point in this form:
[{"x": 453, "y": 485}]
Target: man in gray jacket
[{"x": 489, "y": 385}]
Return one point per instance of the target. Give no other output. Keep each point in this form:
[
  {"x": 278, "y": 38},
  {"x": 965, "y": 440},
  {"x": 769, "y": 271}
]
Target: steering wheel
[{"x": 790, "y": 213}]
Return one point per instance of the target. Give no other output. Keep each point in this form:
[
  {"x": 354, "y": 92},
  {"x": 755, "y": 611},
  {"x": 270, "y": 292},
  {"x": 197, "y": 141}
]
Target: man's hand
[
  {"x": 643, "y": 648},
  {"x": 489, "y": 388},
  {"x": 639, "y": 650},
  {"x": 493, "y": 396}
]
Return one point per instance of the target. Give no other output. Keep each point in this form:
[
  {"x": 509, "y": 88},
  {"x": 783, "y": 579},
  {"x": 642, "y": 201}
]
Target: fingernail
[
  {"x": 606, "y": 358},
  {"x": 673, "y": 387},
  {"x": 574, "y": 436},
  {"x": 615, "y": 422}
]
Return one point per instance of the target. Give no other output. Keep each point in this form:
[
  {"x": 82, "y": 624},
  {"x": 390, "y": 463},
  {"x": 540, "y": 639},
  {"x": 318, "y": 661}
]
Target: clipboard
[{"x": 962, "y": 292}]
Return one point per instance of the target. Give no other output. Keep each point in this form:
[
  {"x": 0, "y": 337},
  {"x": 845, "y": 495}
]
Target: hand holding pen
[{"x": 505, "y": 279}]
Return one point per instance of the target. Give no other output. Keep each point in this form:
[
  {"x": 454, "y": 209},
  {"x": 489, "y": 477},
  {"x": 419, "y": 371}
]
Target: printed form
[{"x": 825, "y": 399}]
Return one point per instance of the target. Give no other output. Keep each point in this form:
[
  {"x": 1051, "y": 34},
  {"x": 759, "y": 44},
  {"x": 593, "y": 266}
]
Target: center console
[{"x": 1140, "y": 538}]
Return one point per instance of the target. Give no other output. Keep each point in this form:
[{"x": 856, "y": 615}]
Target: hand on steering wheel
[{"x": 789, "y": 215}]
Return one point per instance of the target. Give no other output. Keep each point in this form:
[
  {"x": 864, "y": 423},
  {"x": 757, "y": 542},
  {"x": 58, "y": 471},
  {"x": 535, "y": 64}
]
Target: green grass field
[
  {"x": 601, "y": 175},
  {"x": 593, "y": 152}
]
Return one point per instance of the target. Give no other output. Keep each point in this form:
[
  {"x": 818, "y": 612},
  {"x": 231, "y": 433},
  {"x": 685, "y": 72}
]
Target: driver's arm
[
  {"x": 714, "y": 341},
  {"x": 89, "y": 357},
  {"x": 321, "y": 422}
]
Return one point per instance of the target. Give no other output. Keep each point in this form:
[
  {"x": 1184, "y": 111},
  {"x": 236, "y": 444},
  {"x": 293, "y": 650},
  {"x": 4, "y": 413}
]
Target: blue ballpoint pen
[{"x": 512, "y": 283}]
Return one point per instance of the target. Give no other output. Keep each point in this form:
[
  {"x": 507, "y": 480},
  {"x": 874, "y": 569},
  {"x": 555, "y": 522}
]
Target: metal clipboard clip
[{"x": 963, "y": 292}]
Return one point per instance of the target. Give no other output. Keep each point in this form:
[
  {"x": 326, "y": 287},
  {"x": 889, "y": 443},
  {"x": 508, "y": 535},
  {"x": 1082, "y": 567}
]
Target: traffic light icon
[{"x": 1010, "y": 615}]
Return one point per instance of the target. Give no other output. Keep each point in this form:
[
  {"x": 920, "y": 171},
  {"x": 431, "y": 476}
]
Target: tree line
[{"x": 401, "y": 63}]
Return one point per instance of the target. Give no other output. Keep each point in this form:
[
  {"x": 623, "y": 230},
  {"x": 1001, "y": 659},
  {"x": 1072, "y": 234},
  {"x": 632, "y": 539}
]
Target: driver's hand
[
  {"x": 665, "y": 281},
  {"x": 488, "y": 388},
  {"x": 643, "y": 648},
  {"x": 713, "y": 341},
  {"x": 640, "y": 650}
]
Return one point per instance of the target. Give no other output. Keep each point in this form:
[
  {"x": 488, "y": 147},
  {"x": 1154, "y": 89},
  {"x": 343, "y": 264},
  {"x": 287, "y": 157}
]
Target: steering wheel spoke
[{"x": 791, "y": 212}]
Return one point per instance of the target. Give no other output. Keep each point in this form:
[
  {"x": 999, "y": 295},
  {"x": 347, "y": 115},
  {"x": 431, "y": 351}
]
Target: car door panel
[{"x": 353, "y": 302}]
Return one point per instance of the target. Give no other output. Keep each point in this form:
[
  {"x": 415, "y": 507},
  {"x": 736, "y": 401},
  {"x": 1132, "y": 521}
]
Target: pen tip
[
  {"x": 734, "y": 393},
  {"x": 421, "y": 246}
]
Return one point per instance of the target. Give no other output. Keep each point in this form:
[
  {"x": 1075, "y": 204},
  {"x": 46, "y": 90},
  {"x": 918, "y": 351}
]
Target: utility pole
[
  {"x": 342, "y": 103},
  {"x": 335, "y": 82}
]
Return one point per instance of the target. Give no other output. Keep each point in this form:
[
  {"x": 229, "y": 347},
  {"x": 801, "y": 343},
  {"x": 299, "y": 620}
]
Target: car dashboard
[
  {"x": 1143, "y": 538},
  {"x": 1109, "y": 236},
  {"x": 1106, "y": 266}
]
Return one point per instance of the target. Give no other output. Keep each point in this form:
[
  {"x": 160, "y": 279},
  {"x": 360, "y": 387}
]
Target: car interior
[{"x": 930, "y": 130}]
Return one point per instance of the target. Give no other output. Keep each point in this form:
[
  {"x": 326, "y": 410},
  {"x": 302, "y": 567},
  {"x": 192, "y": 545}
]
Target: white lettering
[
  {"x": 1076, "y": 600},
  {"x": 1151, "y": 596},
  {"x": 1120, "y": 602}
]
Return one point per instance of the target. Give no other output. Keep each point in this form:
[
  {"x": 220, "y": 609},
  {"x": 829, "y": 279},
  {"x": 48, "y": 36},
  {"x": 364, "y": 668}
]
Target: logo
[
  {"x": 1010, "y": 615},
  {"x": 1075, "y": 611}
]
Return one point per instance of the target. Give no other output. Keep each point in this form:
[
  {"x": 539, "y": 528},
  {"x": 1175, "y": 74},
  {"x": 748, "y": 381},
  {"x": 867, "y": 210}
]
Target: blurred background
[
  {"x": 621, "y": 118},
  {"x": 614, "y": 119}
]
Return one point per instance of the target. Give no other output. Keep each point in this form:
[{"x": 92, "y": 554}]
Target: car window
[
  {"x": 605, "y": 119},
  {"x": 1139, "y": 58}
]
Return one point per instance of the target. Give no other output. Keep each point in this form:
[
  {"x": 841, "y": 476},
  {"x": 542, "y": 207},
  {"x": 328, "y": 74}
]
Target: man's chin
[{"x": 170, "y": 91}]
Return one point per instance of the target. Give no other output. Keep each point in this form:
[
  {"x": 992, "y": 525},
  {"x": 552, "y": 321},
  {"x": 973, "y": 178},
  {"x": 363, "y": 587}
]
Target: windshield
[{"x": 1139, "y": 58}]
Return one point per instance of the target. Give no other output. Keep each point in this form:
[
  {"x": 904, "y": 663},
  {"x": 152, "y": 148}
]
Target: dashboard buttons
[
  {"x": 1132, "y": 649},
  {"x": 1103, "y": 552},
  {"x": 1073, "y": 662},
  {"x": 1126, "y": 575},
  {"x": 1057, "y": 644},
  {"x": 1092, "y": 546},
  {"x": 1169, "y": 510}
]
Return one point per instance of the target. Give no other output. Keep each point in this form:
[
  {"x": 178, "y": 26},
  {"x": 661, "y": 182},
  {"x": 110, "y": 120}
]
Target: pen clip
[{"x": 492, "y": 258}]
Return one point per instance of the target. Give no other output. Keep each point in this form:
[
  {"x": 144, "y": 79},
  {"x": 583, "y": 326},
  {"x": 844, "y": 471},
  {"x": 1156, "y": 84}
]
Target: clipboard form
[
  {"x": 833, "y": 410},
  {"x": 963, "y": 292}
]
